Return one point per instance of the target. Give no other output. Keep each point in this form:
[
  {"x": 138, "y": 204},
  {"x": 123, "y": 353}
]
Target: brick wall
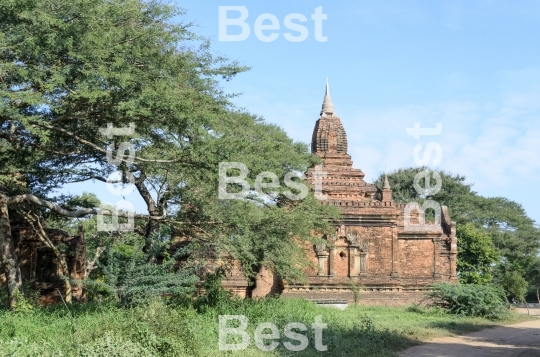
[{"x": 416, "y": 257}]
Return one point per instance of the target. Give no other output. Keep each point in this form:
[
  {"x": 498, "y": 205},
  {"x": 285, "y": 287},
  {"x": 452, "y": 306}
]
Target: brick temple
[{"x": 371, "y": 247}]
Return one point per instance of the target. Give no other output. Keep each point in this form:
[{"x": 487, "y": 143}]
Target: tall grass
[{"x": 157, "y": 329}]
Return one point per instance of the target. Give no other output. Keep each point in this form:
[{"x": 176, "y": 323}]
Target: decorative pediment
[
  {"x": 363, "y": 246},
  {"x": 331, "y": 237},
  {"x": 352, "y": 237}
]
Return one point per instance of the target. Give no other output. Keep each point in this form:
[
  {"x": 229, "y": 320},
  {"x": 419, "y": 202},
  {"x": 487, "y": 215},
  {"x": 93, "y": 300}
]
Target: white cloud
[{"x": 497, "y": 149}]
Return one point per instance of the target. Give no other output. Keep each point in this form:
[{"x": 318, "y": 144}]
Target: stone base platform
[{"x": 367, "y": 298}]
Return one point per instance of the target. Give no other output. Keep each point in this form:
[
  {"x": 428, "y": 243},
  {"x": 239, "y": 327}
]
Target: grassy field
[{"x": 160, "y": 330}]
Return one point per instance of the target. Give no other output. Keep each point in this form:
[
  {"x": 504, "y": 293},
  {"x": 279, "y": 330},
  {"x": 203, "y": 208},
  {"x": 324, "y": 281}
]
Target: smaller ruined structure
[{"x": 39, "y": 267}]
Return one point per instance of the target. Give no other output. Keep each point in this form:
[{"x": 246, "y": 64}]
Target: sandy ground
[{"x": 519, "y": 340}]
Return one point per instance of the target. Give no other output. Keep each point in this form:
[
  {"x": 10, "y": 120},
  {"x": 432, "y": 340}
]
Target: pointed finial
[
  {"x": 386, "y": 185},
  {"x": 327, "y": 106}
]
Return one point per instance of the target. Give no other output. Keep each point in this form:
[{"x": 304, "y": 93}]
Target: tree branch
[
  {"x": 100, "y": 149},
  {"x": 81, "y": 212}
]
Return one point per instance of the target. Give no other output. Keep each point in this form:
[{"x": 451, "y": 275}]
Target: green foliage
[
  {"x": 110, "y": 345},
  {"x": 18, "y": 347},
  {"x": 26, "y": 301},
  {"x": 152, "y": 330},
  {"x": 427, "y": 310},
  {"x": 22, "y": 304},
  {"x": 477, "y": 255},
  {"x": 486, "y": 301},
  {"x": 131, "y": 277},
  {"x": 214, "y": 293},
  {"x": 534, "y": 278},
  {"x": 515, "y": 285},
  {"x": 71, "y": 68},
  {"x": 140, "y": 281},
  {"x": 71, "y": 202},
  {"x": 271, "y": 235}
]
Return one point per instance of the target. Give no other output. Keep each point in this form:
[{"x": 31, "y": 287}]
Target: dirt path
[{"x": 519, "y": 340}]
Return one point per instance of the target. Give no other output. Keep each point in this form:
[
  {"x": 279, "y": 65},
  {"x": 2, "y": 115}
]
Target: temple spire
[
  {"x": 386, "y": 185},
  {"x": 327, "y": 106},
  {"x": 386, "y": 193}
]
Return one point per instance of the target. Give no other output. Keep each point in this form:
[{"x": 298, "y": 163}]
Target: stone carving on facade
[
  {"x": 332, "y": 140},
  {"x": 331, "y": 237},
  {"x": 352, "y": 237},
  {"x": 322, "y": 258},
  {"x": 340, "y": 232},
  {"x": 363, "y": 246}
]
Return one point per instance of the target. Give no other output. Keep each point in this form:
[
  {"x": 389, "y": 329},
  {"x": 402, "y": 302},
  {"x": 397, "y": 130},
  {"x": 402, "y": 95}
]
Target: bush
[
  {"x": 130, "y": 277},
  {"x": 214, "y": 292},
  {"x": 112, "y": 346},
  {"x": 471, "y": 300}
]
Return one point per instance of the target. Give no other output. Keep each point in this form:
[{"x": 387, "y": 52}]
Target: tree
[
  {"x": 477, "y": 255},
  {"x": 515, "y": 285},
  {"x": 72, "y": 71}
]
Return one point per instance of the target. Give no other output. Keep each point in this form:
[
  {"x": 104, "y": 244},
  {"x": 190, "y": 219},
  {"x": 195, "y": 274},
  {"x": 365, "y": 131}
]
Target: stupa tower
[{"x": 343, "y": 184}]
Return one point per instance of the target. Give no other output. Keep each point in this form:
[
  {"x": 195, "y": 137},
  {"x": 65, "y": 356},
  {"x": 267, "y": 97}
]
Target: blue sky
[{"x": 473, "y": 66}]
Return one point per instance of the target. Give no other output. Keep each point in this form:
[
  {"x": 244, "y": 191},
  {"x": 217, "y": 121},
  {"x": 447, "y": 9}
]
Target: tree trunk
[
  {"x": 10, "y": 261},
  {"x": 538, "y": 294},
  {"x": 153, "y": 209},
  {"x": 91, "y": 264}
]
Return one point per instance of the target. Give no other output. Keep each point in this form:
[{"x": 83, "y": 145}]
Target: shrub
[
  {"x": 471, "y": 300},
  {"x": 21, "y": 347},
  {"x": 130, "y": 277},
  {"x": 112, "y": 346},
  {"x": 22, "y": 304},
  {"x": 214, "y": 292}
]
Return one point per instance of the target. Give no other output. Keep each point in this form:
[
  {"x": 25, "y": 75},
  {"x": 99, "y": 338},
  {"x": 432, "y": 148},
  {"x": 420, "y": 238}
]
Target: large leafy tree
[
  {"x": 514, "y": 235},
  {"x": 477, "y": 255},
  {"x": 515, "y": 285},
  {"x": 69, "y": 69}
]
